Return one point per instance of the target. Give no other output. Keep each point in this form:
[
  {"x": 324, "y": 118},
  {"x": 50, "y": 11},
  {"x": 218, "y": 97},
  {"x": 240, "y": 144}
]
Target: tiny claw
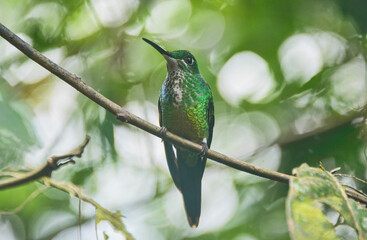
[
  {"x": 204, "y": 149},
  {"x": 163, "y": 132}
]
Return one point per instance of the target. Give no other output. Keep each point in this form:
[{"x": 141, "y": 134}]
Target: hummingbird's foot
[
  {"x": 204, "y": 149},
  {"x": 163, "y": 132}
]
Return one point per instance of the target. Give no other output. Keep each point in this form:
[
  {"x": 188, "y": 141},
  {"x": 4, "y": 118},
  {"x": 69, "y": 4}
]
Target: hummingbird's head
[{"x": 177, "y": 60}]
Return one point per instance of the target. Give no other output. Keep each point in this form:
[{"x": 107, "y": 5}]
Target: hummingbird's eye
[{"x": 189, "y": 60}]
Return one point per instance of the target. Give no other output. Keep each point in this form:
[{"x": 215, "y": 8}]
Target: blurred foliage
[
  {"x": 277, "y": 69},
  {"x": 309, "y": 193}
]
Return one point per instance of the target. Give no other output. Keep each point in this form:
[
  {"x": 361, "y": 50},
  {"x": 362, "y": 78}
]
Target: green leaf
[
  {"x": 103, "y": 214},
  {"x": 309, "y": 191}
]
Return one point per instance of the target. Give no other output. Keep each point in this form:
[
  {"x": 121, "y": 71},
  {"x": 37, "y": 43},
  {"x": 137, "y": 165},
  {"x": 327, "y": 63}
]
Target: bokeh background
[{"x": 288, "y": 76}]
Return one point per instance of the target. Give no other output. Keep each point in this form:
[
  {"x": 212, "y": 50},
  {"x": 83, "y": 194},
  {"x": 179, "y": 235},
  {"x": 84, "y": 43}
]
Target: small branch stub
[
  {"x": 54, "y": 161},
  {"x": 123, "y": 116}
]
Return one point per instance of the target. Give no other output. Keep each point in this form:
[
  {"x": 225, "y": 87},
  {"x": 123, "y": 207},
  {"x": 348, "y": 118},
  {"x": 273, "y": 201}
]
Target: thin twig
[
  {"x": 50, "y": 165},
  {"x": 356, "y": 196},
  {"x": 354, "y": 189},
  {"x": 132, "y": 119},
  {"x": 80, "y": 219},
  {"x": 350, "y": 176}
]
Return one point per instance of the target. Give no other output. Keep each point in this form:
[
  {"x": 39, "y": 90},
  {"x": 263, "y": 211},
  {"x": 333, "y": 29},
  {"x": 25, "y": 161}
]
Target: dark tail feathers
[
  {"x": 190, "y": 184},
  {"x": 192, "y": 201}
]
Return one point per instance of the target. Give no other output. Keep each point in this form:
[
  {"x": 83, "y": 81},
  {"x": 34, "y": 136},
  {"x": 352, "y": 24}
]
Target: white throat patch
[{"x": 177, "y": 78}]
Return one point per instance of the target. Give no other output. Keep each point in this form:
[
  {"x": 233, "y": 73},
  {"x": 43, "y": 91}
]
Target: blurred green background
[{"x": 279, "y": 70}]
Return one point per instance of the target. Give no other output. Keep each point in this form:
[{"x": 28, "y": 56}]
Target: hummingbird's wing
[
  {"x": 170, "y": 155},
  {"x": 210, "y": 120}
]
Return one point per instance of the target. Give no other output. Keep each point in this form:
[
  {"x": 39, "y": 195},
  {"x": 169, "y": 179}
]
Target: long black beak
[{"x": 159, "y": 49}]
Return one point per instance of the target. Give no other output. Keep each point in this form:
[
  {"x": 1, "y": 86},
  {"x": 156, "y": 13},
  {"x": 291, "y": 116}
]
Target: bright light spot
[
  {"x": 203, "y": 36},
  {"x": 123, "y": 186},
  {"x": 81, "y": 24},
  {"x": 114, "y": 13},
  {"x": 236, "y": 140},
  {"x": 245, "y": 76},
  {"x": 264, "y": 125},
  {"x": 169, "y": 18},
  {"x": 128, "y": 141},
  {"x": 30, "y": 72},
  {"x": 303, "y": 55},
  {"x": 349, "y": 86},
  {"x": 311, "y": 118},
  {"x": 217, "y": 189},
  {"x": 268, "y": 158},
  {"x": 332, "y": 47},
  {"x": 142, "y": 221},
  {"x": 51, "y": 122},
  {"x": 300, "y": 58},
  {"x": 244, "y": 133}
]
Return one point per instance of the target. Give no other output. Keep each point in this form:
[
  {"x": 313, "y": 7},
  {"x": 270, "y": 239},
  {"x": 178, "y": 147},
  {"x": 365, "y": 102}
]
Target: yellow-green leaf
[
  {"x": 103, "y": 214},
  {"x": 309, "y": 191}
]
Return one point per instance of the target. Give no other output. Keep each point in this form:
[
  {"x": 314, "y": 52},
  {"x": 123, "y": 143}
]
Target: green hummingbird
[{"x": 186, "y": 109}]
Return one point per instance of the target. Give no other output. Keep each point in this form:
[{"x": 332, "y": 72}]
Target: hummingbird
[{"x": 186, "y": 109}]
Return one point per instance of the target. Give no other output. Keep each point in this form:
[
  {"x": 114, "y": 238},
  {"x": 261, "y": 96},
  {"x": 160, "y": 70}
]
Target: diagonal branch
[
  {"x": 53, "y": 163},
  {"x": 132, "y": 119}
]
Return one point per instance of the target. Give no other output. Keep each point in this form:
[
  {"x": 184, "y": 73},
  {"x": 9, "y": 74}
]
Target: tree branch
[
  {"x": 132, "y": 119},
  {"x": 51, "y": 164}
]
